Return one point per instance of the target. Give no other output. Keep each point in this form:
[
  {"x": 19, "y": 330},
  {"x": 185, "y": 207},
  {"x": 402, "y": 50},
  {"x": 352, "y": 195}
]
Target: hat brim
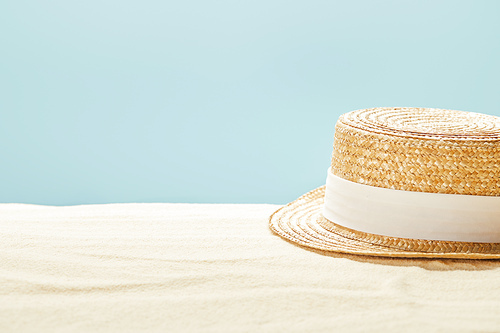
[{"x": 302, "y": 222}]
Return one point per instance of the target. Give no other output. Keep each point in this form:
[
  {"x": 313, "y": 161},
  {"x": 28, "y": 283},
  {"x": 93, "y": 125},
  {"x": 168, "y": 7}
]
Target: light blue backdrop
[{"x": 218, "y": 101}]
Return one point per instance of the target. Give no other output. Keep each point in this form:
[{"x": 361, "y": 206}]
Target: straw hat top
[
  {"x": 425, "y": 123},
  {"x": 419, "y": 149}
]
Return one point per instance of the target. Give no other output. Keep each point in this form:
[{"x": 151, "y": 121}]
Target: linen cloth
[{"x": 218, "y": 268}]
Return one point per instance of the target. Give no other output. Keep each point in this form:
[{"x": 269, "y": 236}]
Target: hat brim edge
[{"x": 285, "y": 223}]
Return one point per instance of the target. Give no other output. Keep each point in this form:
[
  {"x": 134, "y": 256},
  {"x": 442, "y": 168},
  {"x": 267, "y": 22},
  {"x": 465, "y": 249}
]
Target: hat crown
[{"x": 419, "y": 149}]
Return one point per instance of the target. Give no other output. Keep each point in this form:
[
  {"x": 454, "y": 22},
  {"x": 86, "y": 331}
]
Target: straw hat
[{"x": 405, "y": 182}]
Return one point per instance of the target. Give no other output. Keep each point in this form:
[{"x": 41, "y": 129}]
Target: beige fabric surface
[{"x": 218, "y": 268}]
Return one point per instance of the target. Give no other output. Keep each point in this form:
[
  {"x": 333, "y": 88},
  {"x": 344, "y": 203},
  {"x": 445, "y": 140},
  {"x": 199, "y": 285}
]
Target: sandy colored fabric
[{"x": 218, "y": 268}]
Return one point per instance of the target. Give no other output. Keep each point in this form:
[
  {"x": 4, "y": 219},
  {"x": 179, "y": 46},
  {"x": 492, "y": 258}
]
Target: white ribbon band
[{"x": 406, "y": 214}]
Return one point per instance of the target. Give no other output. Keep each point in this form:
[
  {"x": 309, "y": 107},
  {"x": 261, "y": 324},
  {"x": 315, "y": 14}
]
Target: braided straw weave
[
  {"x": 423, "y": 150},
  {"x": 410, "y": 149}
]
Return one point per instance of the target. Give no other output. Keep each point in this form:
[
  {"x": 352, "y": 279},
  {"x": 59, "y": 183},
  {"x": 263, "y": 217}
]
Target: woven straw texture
[
  {"x": 411, "y": 149},
  {"x": 417, "y": 149}
]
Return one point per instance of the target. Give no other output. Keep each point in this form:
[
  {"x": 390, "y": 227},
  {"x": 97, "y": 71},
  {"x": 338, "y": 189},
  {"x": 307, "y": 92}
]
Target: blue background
[{"x": 218, "y": 101}]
